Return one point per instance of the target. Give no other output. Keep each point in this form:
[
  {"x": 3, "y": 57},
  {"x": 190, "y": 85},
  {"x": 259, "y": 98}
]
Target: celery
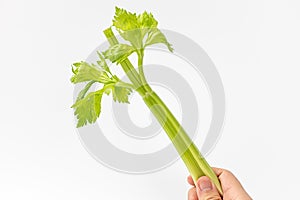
[
  {"x": 140, "y": 31},
  {"x": 189, "y": 153}
]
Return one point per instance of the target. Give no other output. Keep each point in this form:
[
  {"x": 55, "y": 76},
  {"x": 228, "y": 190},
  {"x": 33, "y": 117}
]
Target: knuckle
[{"x": 227, "y": 172}]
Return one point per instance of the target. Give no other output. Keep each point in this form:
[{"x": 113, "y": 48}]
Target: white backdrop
[{"x": 254, "y": 44}]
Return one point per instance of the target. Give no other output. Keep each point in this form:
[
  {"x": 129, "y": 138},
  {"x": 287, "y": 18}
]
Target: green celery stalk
[{"x": 191, "y": 156}]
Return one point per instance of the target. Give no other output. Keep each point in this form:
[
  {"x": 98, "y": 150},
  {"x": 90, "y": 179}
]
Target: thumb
[{"x": 206, "y": 189}]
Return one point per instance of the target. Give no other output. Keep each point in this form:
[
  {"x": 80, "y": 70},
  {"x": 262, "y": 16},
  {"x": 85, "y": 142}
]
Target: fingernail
[{"x": 205, "y": 184}]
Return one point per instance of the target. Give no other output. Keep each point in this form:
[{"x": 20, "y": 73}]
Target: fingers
[
  {"x": 228, "y": 180},
  {"x": 231, "y": 186},
  {"x": 206, "y": 189},
  {"x": 190, "y": 181},
  {"x": 218, "y": 171},
  {"x": 192, "y": 194}
]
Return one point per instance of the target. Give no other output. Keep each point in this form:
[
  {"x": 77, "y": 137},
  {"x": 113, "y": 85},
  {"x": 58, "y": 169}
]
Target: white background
[{"x": 254, "y": 44}]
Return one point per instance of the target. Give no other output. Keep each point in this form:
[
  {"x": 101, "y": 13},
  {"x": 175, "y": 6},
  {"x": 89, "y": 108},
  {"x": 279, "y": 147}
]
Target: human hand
[{"x": 204, "y": 189}]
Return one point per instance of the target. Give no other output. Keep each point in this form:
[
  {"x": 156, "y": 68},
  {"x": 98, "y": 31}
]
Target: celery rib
[{"x": 191, "y": 156}]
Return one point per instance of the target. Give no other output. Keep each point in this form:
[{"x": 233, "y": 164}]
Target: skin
[{"x": 205, "y": 190}]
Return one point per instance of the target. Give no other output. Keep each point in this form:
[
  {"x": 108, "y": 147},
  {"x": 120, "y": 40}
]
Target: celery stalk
[{"x": 191, "y": 156}]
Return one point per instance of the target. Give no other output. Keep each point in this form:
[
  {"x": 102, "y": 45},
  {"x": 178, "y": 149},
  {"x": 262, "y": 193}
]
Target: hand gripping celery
[{"x": 139, "y": 31}]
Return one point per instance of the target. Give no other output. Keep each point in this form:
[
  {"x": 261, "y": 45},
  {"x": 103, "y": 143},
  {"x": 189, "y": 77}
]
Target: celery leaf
[
  {"x": 139, "y": 28},
  {"x": 156, "y": 36},
  {"x": 118, "y": 53},
  {"x": 88, "y": 109},
  {"x": 88, "y": 72},
  {"x": 120, "y": 94}
]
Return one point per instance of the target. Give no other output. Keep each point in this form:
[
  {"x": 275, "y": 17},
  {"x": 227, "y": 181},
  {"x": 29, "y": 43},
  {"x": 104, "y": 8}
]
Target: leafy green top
[
  {"x": 140, "y": 31},
  {"x": 88, "y": 107}
]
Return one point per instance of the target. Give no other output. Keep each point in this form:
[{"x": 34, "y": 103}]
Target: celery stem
[{"x": 188, "y": 151}]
